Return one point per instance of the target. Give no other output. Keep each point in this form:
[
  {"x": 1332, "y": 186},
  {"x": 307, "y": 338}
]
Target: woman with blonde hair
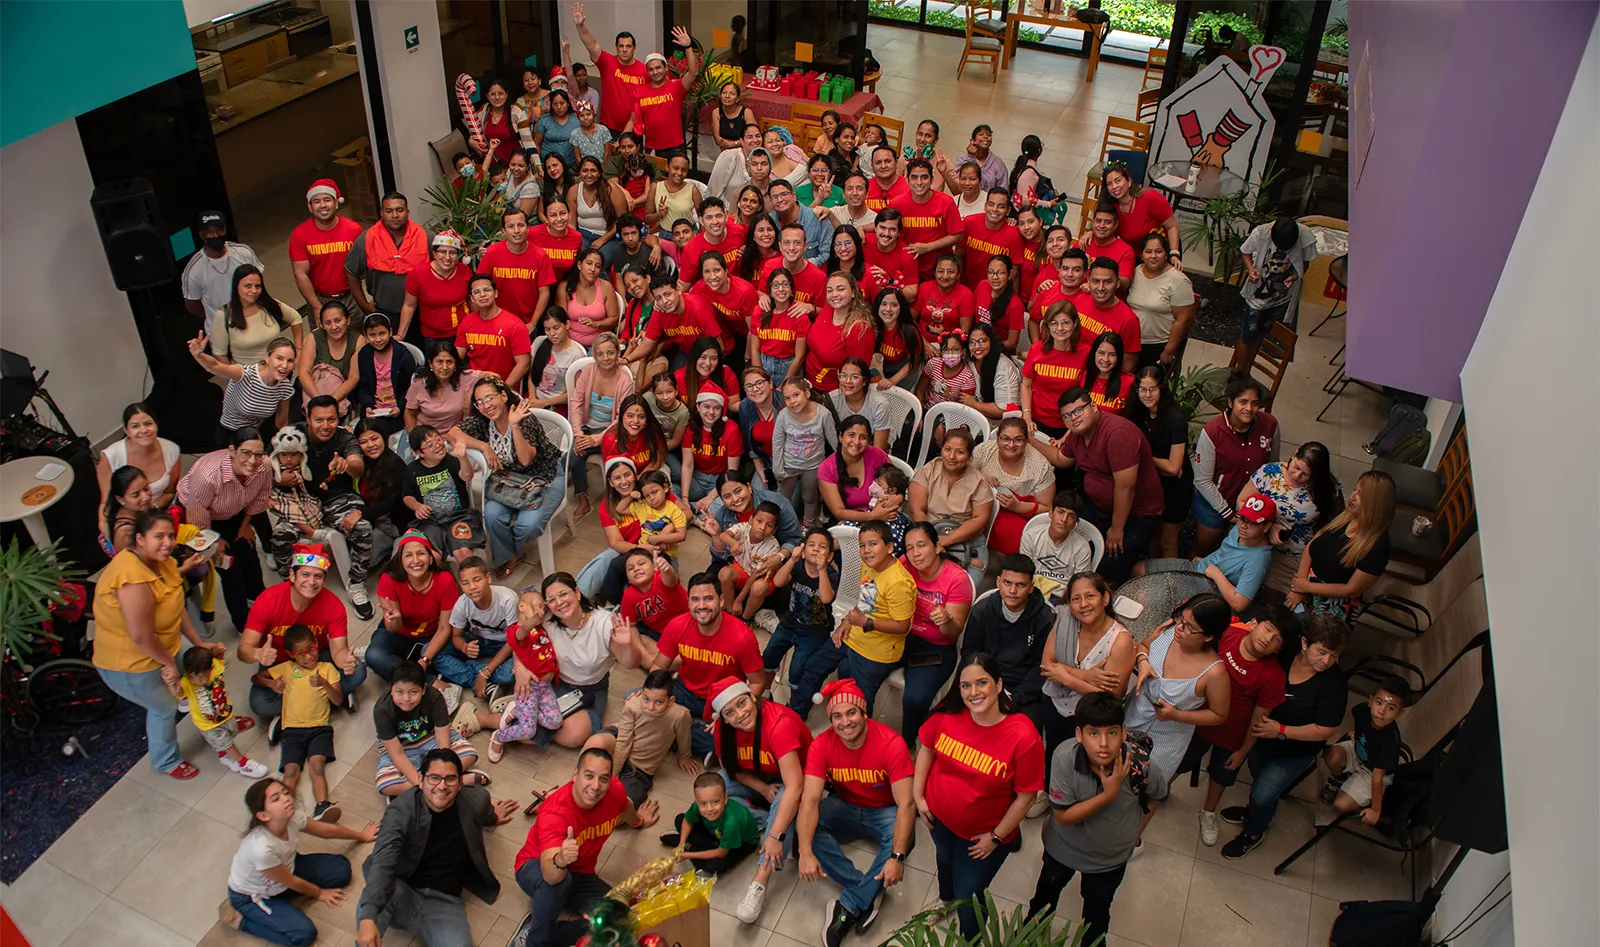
[{"x": 1346, "y": 556}]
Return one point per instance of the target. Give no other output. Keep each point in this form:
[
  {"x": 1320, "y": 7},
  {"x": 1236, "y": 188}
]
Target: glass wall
[
  {"x": 495, "y": 37},
  {"x": 833, "y": 28}
]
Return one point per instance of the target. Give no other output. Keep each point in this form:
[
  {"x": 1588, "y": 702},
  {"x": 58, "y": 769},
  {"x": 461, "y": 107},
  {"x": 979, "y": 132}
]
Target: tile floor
[{"x": 146, "y": 866}]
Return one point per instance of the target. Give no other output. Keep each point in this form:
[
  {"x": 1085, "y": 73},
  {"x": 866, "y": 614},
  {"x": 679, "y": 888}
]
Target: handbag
[
  {"x": 962, "y": 552},
  {"x": 517, "y": 491}
]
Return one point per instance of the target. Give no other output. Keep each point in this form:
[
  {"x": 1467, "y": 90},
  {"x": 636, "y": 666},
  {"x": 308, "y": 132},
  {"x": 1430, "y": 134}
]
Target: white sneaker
[
  {"x": 1136, "y": 850},
  {"x": 749, "y": 910},
  {"x": 1041, "y": 802},
  {"x": 452, "y": 697},
  {"x": 360, "y": 653},
  {"x": 245, "y": 766},
  {"x": 183, "y": 706},
  {"x": 1208, "y": 828},
  {"x": 357, "y": 592},
  {"x": 767, "y": 620}
]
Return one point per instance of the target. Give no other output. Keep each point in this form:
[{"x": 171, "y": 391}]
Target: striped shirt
[
  {"x": 210, "y": 491},
  {"x": 250, "y": 401}
]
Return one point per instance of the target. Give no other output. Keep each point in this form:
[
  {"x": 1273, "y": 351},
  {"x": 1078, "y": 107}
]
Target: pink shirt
[
  {"x": 442, "y": 409},
  {"x": 856, "y": 497},
  {"x": 950, "y": 587}
]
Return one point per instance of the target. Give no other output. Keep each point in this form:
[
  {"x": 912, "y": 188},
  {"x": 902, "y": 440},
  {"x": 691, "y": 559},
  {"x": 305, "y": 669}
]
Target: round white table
[{"x": 25, "y": 496}]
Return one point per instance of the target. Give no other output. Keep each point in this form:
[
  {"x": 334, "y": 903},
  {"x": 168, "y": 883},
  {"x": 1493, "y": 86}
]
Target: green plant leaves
[
  {"x": 30, "y": 583},
  {"x": 996, "y": 929},
  {"x": 473, "y": 211}
]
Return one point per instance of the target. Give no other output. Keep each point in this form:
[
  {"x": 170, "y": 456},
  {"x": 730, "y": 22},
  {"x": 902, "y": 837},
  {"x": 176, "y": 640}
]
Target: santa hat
[
  {"x": 710, "y": 392},
  {"x": 324, "y": 186},
  {"x": 613, "y": 462},
  {"x": 449, "y": 238},
  {"x": 842, "y": 691},
  {"x": 655, "y": 56},
  {"x": 413, "y": 536},
  {"x": 314, "y": 555},
  {"x": 723, "y": 693},
  {"x": 558, "y": 72},
  {"x": 1012, "y": 410},
  {"x": 290, "y": 440}
]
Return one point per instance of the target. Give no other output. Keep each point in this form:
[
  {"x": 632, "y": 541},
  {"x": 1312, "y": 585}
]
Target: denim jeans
[
  {"x": 277, "y": 920},
  {"x": 510, "y": 530},
  {"x": 387, "y": 651},
  {"x": 778, "y": 368},
  {"x": 384, "y": 533},
  {"x": 455, "y": 667},
  {"x": 869, "y": 674},
  {"x": 268, "y": 703},
  {"x": 838, "y": 821},
  {"x": 699, "y": 733},
  {"x": 761, "y": 809},
  {"x": 146, "y": 689},
  {"x": 823, "y": 661},
  {"x": 1273, "y": 775},
  {"x": 804, "y": 643},
  {"x": 598, "y": 693},
  {"x": 701, "y": 485},
  {"x": 575, "y": 893},
  {"x": 592, "y": 577},
  {"x": 674, "y": 464},
  {"x": 923, "y": 683},
  {"x": 1097, "y": 888},
  {"x": 577, "y": 470},
  {"x": 438, "y": 920},
  {"x": 962, "y": 876}
]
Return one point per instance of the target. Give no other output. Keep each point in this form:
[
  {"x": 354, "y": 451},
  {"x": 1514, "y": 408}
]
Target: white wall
[
  {"x": 607, "y": 18},
  {"x": 415, "y": 96},
  {"x": 200, "y": 12},
  {"x": 1535, "y": 457},
  {"x": 71, "y": 322}
]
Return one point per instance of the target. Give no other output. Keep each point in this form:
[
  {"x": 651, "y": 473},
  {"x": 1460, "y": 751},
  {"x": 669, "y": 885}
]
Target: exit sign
[{"x": 412, "y": 41}]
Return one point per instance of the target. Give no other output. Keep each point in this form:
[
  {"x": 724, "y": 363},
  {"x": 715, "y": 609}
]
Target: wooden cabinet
[{"x": 248, "y": 62}]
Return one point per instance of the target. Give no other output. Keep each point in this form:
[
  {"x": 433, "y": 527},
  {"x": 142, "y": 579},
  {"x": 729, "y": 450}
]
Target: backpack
[{"x": 1403, "y": 423}]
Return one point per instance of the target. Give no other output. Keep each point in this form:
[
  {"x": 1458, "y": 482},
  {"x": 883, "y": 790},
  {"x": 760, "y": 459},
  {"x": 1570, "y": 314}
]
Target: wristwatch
[
  {"x": 1283, "y": 732},
  {"x": 996, "y": 839},
  {"x": 898, "y": 856}
]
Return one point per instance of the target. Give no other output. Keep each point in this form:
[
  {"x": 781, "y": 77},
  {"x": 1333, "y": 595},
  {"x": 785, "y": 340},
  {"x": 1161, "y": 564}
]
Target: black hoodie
[{"x": 1017, "y": 646}]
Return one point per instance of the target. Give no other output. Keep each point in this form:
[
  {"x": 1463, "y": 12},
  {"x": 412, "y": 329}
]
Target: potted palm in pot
[
  {"x": 33, "y": 583},
  {"x": 938, "y": 929}
]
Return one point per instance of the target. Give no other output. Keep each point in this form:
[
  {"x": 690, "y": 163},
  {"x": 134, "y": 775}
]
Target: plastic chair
[
  {"x": 1091, "y": 535},
  {"x": 905, "y": 468},
  {"x": 573, "y": 370},
  {"x": 849, "y": 539},
  {"x": 953, "y": 415},
  {"x": 559, "y": 430},
  {"x": 903, "y": 404}
]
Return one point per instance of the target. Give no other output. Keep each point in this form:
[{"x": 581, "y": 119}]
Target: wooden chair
[
  {"x": 1155, "y": 68},
  {"x": 808, "y": 113},
  {"x": 894, "y": 130},
  {"x": 981, "y": 44},
  {"x": 1121, "y": 134},
  {"x": 659, "y": 162},
  {"x": 1277, "y": 351},
  {"x": 802, "y": 133},
  {"x": 1149, "y": 106}
]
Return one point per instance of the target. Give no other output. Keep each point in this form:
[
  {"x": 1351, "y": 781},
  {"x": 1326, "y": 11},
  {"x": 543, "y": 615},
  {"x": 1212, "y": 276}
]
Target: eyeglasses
[
  {"x": 1013, "y": 440},
  {"x": 485, "y": 402},
  {"x": 1075, "y": 413},
  {"x": 434, "y": 779},
  {"x": 251, "y": 454}
]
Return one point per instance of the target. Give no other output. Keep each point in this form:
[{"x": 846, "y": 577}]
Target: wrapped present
[{"x": 680, "y": 895}]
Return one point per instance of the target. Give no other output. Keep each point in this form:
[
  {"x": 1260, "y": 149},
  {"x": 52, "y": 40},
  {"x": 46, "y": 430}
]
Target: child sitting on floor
[
  {"x": 652, "y": 724},
  {"x": 720, "y": 836}
]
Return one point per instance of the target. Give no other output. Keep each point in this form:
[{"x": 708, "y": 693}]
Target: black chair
[
  {"x": 1364, "y": 675},
  {"x": 1396, "y": 615}
]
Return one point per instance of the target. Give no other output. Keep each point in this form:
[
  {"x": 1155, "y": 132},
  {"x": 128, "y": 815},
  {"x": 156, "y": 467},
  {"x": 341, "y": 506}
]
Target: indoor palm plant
[
  {"x": 1227, "y": 221},
  {"x": 473, "y": 211},
  {"x": 938, "y": 929},
  {"x": 1199, "y": 391},
  {"x": 31, "y": 583}
]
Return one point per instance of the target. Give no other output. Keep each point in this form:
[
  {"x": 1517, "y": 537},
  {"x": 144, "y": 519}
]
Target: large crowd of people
[{"x": 740, "y": 359}]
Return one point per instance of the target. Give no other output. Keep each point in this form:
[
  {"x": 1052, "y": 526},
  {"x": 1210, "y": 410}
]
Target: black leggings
[{"x": 701, "y": 840}]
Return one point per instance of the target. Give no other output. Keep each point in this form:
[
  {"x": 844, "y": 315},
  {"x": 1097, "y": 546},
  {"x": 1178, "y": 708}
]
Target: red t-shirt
[
  {"x": 1005, "y": 322},
  {"x": 680, "y": 329},
  {"x": 1150, "y": 211},
  {"x": 1116, "y": 444},
  {"x": 938, "y": 311},
  {"x": 1255, "y": 684},
  {"x": 441, "y": 303},
  {"x": 808, "y": 283},
  {"x": 978, "y": 771},
  {"x": 779, "y": 332},
  {"x": 878, "y": 197},
  {"x": 731, "y": 652},
  {"x": 640, "y": 455},
  {"x": 1052, "y": 372},
  {"x": 326, "y": 249},
  {"x": 731, "y": 248},
  {"x": 629, "y": 525},
  {"x": 782, "y": 733},
  {"x": 1031, "y": 252},
  {"x": 1119, "y": 317},
  {"x": 898, "y": 268},
  {"x": 273, "y": 613},
  {"x": 518, "y": 277},
  {"x": 619, "y": 88},
  {"x": 591, "y": 827},
  {"x": 660, "y": 114},
  {"x": 761, "y": 430},
  {"x": 1048, "y": 291},
  {"x": 492, "y": 345},
  {"x": 1116, "y": 250},
  {"x": 827, "y": 347},
  {"x": 712, "y": 458},
  {"x": 734, "y": 307},
  {"x": 892, "y": 346},
  {"x": 862, "y": 777},
  {"x": 534, "y": 650},
  {"x": 419, "y": 611},
  {"x": 561, "y": 252},
  {"x": 931, "y": 220},
  {"x": 721, "y": 377},
  {"x": 982, "y": 244},
  {"x": 657, "y": 604},
  {"x": 1115, "y": 402}
]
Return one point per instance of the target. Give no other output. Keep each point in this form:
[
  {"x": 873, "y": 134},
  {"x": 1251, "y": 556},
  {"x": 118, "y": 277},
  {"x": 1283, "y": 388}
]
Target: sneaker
[
  {"x": 671, "y": 839},
  {"x": 1330, "y": 789},
  {"x": 1041, "y": 802},
  {"x": 358, "y": 600},
  {"x": 244, "y": 766},
  {"x": 749, "y": 910},
  {"x": 1234, "y": 815},
  {"x": 351, "y": 703},
  {"x": 1208, "y": 828},
  {"x": 524, "y": 931},
  {"x": 767, "y": 620},
  {"x": 1137, "y": 848},
  {"x": 870, "y": 914},
  {"x": 835, "y": 924},
  {"x": 183, "y": 707},
  {"x": 275, "y": 731},
  {"x": 710, "y": 761},
  {"x": 935, "y": 905},
  {"x": 1241, "y": 845},
  {"x": 491, "y": 694},
  {"x": 360, "y": 653},
  {"x": 326, "y": 812},
  {"x": 452, "y": 697}
]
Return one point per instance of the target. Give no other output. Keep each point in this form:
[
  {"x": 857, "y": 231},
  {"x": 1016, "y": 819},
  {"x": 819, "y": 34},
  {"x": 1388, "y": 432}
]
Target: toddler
[
  {"x": 756, "y": 555},
  {"x": 207, "y": 695},
  {"x": 533, "y": 650},
  {"x": 891, "y": 481},
  {"x": 310, "y": 689},
  {"x": 662, "y": 523},
  {"x": 295, "y": 513}
]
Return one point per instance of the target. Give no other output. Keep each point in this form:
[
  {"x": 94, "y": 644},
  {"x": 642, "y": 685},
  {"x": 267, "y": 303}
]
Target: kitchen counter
[
  {"x": 246, "y": 34},
  {"x": 280, "y": 87}
]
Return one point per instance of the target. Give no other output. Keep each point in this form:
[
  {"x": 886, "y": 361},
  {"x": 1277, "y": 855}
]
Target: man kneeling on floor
[{"x": 870, "y": 770}]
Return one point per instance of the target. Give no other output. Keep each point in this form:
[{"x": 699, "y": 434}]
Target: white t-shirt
[
  {"x": 116, "y": 455},
  {"x": 583, "y": 654},
  {"x": 967, "y": 208},
  {"x": 211, "y": 281},
  {"x": 487, "y": 623},
  {"x": 1055, "y": 561},
  {"x": 261, "y": 850}
]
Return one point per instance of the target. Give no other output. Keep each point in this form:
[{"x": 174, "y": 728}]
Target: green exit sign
[{"x": 412, "y": 40}]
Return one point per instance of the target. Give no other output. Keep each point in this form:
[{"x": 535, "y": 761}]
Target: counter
[
  {"x": 295, "y": 115},
  {"x": 233, "y": 39}
]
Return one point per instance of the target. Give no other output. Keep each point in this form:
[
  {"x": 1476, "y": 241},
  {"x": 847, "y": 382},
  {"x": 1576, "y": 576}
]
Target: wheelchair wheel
[{"x": 70, "y": 691}]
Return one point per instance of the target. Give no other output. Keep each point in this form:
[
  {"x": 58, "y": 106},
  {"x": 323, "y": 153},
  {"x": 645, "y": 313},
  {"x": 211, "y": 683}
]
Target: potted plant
[
  {"x": 31, "y": 588},
  {"x": 1199, "y": 391},
  {"x": 938, "y": 929},
  {"x": 471, "y": 210},
  {"x": 1225, "y": 222}
]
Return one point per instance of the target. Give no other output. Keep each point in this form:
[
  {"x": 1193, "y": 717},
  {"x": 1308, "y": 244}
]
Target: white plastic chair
[
  {"x": 905, "y": 468},
  {"x": 849, "y": 539},
  {"x": 572, "y": 373},
  {"x": 1085, "y": 529},
  {"x": 954, "y": 415},
  {"x": 559, "y": 430},
  {"x": 897, "y": 677},
  {"x": 903, "y": 406}
]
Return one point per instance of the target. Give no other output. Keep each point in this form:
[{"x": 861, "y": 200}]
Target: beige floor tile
[
  {"x": 105, "y": 844},
  {"x": 1323, "y": 914},
  {"x": 1230, "y": 907},
  {"x": 188, "y": 792},
  {"x": 1158, "y": 877},
  {"x": 48, "y": 904},
  {"x": 181, "y": 881},
  {"x": 727, "y": 931},
  {"x": 1348, "y": 869},
  {"x": 1290, "y": 827},
  {"x": 115, "y": 922}
]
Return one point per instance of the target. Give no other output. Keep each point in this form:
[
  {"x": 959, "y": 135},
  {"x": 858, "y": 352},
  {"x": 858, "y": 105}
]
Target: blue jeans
[
  {"x": 1136, "y": 535},
  {"x": 438, "y": 920},
  {"x": 923, "y": 683},
  {"x": 387, "y": 651},
  {"x": 597, "y": 692},
  {"x": 592, "y": 577},
  {"x": 277, "y": 920},
  {"x": 455, "y": 667},
  {"x": 961, "y": 876},
  {"x": 575, "y": 893},
  {"x": 699, "y": 733},
  {"x": 146, "y": 689},
  {"x": 760, "y": 808},
  {"x": 805, "y": 644},
  {"x": 268, "y": 703},
  {"x": 778, "y": 368},
  {"x": 838, "y": 821},
  {"x": 702, "y": 484},
  {"x": 823, "y": 661},
  {"x": 1205, "y": 514},
  {"x": 869, "y": 674},
  {"x": 674, "y": 464},
  {"x": 577, "y": 472},
  {"x": 1273, "y": 775},
  {"x": 510, "y": 530}
]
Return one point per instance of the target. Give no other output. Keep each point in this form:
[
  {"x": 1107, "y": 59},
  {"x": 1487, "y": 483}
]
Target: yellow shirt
[
  {"x": 653, "y": 521},
  {"x": 304, "y": 703},
  {"x": 114, "y": 650},
  {"x": 892, "y": 595},
  {"x": 208, "y": 705}
]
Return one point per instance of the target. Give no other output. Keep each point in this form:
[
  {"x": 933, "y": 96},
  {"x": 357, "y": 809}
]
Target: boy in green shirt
[{"x": 720, "y": 836}]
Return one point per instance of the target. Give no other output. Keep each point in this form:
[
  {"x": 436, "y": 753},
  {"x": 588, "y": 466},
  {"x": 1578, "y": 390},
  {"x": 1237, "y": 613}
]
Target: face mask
[
  {"x": 467, "y": 170},
  {"x": 214, "y": 243},
  {"x": 951, "y": 360}
]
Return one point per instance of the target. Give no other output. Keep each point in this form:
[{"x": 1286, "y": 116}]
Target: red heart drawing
[{"x": 1266, "y": 58}]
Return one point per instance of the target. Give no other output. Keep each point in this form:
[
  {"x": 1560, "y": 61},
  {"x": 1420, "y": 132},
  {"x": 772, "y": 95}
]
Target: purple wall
[{"x": 1465, "y": 99}]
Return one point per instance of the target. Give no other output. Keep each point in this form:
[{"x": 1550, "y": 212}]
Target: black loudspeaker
[
  {"x": 136, "y": 243},
  {"x": 1469, "y": 793}
]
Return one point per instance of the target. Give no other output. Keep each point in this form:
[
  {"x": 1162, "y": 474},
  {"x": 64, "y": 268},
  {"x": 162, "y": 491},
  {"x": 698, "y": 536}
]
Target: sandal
[
  {"x": 245, "y": 723},
  {"x": 504, "y": 572},
  {"x": 533, "y": 807},
  {"x": 482, "y": 777},
  {"x": 496, "y": 749},
  {"x": 184, "y": 770}
]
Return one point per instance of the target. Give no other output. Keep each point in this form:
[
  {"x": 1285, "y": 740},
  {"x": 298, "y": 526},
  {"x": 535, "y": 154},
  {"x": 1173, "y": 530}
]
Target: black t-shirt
[
  {"x": 381, "y": 485},
  {"x": 807, "y": 612},
  {"x": 1167, "y": 428},
  {"x": 440, "y": 486},
  {"x": 410, "y": 726},
  {"x": 1377, "y": 749},
  {"x": 1317, "y": 700},
  {"x": 319, "y": 456},
  {"x": 1328, "y": 570},
  {"x": 444, "y": 858}
]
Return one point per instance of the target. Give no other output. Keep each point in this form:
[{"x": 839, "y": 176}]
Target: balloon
[{"x": 466, "y": 88}]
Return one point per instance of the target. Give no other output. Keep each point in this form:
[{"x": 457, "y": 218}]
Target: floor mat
[{"x": 43, "y": 791}]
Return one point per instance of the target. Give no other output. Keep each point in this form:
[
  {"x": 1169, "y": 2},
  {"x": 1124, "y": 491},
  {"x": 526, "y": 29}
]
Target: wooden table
[{"x": 1016, "y": 18}]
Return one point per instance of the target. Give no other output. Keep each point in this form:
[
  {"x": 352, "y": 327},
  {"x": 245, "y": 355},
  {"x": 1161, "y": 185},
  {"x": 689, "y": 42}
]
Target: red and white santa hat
[
  {"x": 449, "y": 238},
  {"x": 324, "y": 186},
  {"x": 723, "y": 693},
  {"x": 843, "y": 691},
  {"x": 711, "y": 392},
  {"x": 1012, "y": 410}
]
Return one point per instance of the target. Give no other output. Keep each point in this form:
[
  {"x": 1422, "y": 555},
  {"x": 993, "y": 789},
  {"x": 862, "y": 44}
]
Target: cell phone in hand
[{"x": 224, "y": 561}]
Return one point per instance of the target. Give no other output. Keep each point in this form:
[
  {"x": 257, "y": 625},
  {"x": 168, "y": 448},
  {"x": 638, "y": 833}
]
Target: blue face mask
[{"x": 468, "y": 170}]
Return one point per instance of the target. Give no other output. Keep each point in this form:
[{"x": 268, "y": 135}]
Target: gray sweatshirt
[{"x": 800, "y": 447}]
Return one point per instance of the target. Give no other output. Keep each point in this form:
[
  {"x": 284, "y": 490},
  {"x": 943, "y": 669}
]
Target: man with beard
[
  {"x": 707, "y": 645},
  {"x": 522, "y": 272},
  {"x": 379, "y": 259},
  {"x": 318, "y": 248}
]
